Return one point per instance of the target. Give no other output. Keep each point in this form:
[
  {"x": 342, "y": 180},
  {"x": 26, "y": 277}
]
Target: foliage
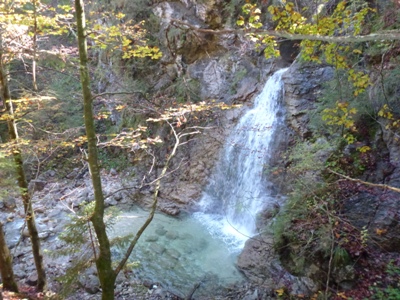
[
  {"x": 123, "y": 36},
  {"x": 64, "y": 111},
  {"x": 308, "y": 157},
  {"x": 7, "y": 175},
  {"x": 339, "y": 113},
  {"x": 345, "y": 20},
  {"x": 254, "y": 21},
  {"x": 389, "y": 287},
  {"x": 308, "y": 200},
  {"x": 341, "y": 116},
  {"x": 110, "y": 161},
  {"x": 387, "y": 89},
  {"x": 186, "y": 90},
  {"x": 20, "y": 17},
  {"x": 80, "y": 244},
  {"x": 310, "y": 229}
]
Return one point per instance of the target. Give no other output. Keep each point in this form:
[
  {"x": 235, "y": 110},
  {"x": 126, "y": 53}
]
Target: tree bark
[
  {"x": 103, "y": 263},
  {"x": 7, "y": 273},
  {"x": 21, "y": 178}
]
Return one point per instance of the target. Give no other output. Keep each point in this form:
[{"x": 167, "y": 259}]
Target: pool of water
[{"x": 179, "y": 252}]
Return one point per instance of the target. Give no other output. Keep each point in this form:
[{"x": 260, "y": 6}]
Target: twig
[
  {"x": 91, "y": 238},
  {"x": 192, "y": 291},
  {"x": 330, "y": 260}
]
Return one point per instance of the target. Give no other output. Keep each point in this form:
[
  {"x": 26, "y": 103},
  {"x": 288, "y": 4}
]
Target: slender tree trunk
[
  {"x": 34, "y": 45},
  {"x": 7, "y": 273},
  {"x": 103, "y": 262},
  {"x": 22, "y": 182}
]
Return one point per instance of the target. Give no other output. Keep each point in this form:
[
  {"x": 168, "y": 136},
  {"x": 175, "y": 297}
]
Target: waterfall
[{"x": 237, "y": 192}]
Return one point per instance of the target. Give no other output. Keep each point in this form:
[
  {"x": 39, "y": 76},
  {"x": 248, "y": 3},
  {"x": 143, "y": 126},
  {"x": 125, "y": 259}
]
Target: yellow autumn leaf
[
  {"x": 380, "y": 231},
  {"x": 364, "y": 149},
  {"x": 353, "y": 111}
]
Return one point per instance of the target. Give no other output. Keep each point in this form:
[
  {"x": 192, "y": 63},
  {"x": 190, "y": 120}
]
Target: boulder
[
  {"x": 259, "y": 263},
  {"x": 32, "y": 280}
]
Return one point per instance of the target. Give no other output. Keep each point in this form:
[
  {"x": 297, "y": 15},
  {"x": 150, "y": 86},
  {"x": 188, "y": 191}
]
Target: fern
[{"x": 80, "y": 244}]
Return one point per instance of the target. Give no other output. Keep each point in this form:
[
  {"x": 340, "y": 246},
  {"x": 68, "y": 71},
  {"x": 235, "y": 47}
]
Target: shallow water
[{"x": 178, "y": 253}]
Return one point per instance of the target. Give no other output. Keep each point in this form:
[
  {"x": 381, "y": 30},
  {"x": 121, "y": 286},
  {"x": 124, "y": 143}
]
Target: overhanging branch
[{"x": 378, "y": 36}]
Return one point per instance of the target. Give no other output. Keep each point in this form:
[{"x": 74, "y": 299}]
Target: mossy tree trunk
[
  {"x": 7, "y": 273},
  {"x": 105, "y": 271},
  {"x": 21, "y": 178}
]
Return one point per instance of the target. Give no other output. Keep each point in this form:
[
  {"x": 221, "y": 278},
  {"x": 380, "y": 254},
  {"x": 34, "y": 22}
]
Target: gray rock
[
  {"x": 302, "y": 86},
  {"x": 172, "y": 235},
  {"x": 173, "y": 253},
  {"x": 25, "y": 232},
  {"x": 251, "y": 295},
  {"x": 92, "y": 284},
  {"x": 32, "y": 280},
  {"x": 113, "y": 172},
  {"x": 151, "y": 238},
  {"x": 9, "y": 202},
  {"x": 255, "y": 258},
  {"x": 44, "y": 235},
  {"x": 345, "y": 276},
  {"x": 111, "y": 202},
  {"x": 157, "y": 248},
  {"x": 160, "y": 231},
  {"x": 118, "y": 196},
  {"x": 36, "y": 185},
  {"x": 40, "y": 209}
]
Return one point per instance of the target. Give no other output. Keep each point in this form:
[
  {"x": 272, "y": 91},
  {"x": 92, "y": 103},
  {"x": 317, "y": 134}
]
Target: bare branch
[
  {"x": 116, "y": 93},
  {"x": 153, "y": 207},
  {"x": 384, "y": 186}
]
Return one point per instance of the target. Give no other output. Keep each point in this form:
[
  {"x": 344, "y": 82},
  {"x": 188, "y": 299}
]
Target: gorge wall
[{"x": 228, "y": 69}]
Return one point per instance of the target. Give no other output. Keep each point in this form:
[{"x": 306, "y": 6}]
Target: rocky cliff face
[
  {"x": 225, "y": 68},
  {"x": 303, "y": 84}
]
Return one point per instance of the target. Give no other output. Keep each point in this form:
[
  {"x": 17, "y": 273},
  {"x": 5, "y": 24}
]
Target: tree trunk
[
  {"x": 7, "y": 273},
  {"x": 22, "y": 182},
  {"x": 103, "y": 261},
  {"x": 35, "y": 33}
]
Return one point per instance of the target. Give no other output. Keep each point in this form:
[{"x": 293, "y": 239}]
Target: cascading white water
[{"x": 236, "y": 192}]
